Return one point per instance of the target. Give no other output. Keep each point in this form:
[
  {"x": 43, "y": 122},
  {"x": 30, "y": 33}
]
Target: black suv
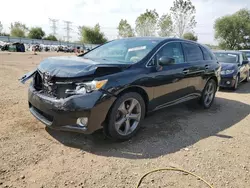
[{"x": 114, "y": 85}]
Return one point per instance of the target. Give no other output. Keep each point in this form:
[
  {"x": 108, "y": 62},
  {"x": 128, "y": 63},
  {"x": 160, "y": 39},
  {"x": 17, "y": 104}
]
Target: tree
[
  {"x": 146, "y": 23},
  {"x": 17, "y": 29},
  {"x": 165, "y": 26},
  {"x": 36, "y": 33},
  {"x": 190, "y": 36},
  {"x": 92, "y": 35},
  {"x": 50, "y": 37},
  {"x": 183, "y": 15},
  {"x": 125, "y": 30},
  {"x": 233, "y": 31}
]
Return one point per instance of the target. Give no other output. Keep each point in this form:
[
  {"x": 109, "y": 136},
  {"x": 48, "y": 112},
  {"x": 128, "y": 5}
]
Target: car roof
[
  {"x": 227, "y": 51},
  {"x": 166, "y": 39},
  {"x": 245, "y": 50}
]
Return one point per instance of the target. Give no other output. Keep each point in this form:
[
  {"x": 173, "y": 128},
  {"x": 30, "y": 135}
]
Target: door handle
[
  {"x": 185, "y": 71},
  {"x": 206, "y": 66}
]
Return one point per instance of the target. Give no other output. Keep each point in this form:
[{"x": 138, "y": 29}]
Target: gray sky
[{"x": 108, "y": 13}]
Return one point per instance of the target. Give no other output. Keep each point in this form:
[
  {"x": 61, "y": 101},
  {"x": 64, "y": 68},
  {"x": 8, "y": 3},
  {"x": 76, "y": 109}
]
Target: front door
[{"x": 170, "y": 84}]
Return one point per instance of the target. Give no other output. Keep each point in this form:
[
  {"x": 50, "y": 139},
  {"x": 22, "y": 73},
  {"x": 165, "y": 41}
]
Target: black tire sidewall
[
  {"x": 110, "y": 129},
  {"x": 203, "y": 94},
  {"x": 235, "y": 88}
]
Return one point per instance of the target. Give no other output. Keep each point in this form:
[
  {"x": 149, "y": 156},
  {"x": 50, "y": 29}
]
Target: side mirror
[
  {"x": 164, "y": 60},
  {"x": 245, "y": 62}
]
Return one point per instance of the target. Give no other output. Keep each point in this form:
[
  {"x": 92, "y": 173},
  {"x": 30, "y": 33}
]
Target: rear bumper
[{"x": 62, "y": 114}]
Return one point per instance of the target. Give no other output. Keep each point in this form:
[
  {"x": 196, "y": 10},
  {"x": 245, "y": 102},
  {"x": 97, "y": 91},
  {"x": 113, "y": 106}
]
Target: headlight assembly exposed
[
  {"x": 224, "y": 72},
  {"x": 87, "y": 87}
]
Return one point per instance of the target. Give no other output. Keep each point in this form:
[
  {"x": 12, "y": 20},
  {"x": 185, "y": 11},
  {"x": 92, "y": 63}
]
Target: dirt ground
[{"x": 214, "y": 143}]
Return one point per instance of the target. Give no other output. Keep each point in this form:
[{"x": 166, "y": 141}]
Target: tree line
[
  {"x": 231, "y": 31},
  {"x": 180, "y": 22},
  {"x": 18, "y": 29}
]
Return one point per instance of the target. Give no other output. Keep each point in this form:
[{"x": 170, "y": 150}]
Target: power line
[
  {"x": 68, "y": 29},
  {"x": 54, "y": 25}
]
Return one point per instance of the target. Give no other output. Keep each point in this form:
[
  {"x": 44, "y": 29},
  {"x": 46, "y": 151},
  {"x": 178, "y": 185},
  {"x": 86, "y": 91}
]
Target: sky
[{"x": 108, "y": 14}]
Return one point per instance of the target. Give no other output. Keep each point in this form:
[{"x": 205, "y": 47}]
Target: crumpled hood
[
  {"x": 228, "y": 66},
  {"x": 73, "y": 66}
]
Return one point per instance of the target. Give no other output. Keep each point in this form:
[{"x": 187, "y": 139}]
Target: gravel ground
[{"x": 212, "y": 143}]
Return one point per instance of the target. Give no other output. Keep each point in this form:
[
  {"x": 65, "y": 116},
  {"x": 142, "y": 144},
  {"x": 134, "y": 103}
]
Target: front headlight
[
  {"x": 87, "y": 87},
  {"x": 224, "y": 72}
]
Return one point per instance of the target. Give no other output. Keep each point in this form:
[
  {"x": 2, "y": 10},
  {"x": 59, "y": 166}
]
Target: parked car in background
[
  {"x": 114, "y": 85},
  {"x": 234, "y": 68},
  {"x": 247, "y": 53}
]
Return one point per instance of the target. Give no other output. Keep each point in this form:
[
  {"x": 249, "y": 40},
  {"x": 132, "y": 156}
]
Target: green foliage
[
  {"x": 165, "y": 26},
  {"x": 233, "y": 31},
  {"x": 36, "y": 33},
  {"x": 146, "y": 23},
  {"x": 50, "y": 37},
  {"x": 183, "y": 15},
  {"x": 17, "y": 29},
  {"x": 125, "y": 30},
  {"x": 190, "y": 36},
  {"x": 92, "y": 35}
]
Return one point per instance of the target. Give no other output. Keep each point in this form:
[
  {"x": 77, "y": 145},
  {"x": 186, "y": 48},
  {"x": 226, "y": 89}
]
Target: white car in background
[{"x": 247, "y": 53}]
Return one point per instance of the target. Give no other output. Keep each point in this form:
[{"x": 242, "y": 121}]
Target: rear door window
[
  {"x": 207, "y": 54},
  {"x": 193, "y": 52}
]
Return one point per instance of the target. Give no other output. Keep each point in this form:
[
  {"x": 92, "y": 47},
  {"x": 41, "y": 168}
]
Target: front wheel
[
  {"x": 208, "y": 94},
  {"x": 125, "y": 116},
  {"x": 236, "y": 84}
]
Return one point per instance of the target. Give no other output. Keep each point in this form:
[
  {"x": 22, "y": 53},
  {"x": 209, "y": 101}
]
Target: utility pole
[
  {"x": 68, "y": 29},
  {"x": 54, "y": 25}
]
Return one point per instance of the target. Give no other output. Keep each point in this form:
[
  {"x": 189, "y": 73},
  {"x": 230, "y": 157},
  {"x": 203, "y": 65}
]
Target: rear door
[{"x": 198, "y": 66}]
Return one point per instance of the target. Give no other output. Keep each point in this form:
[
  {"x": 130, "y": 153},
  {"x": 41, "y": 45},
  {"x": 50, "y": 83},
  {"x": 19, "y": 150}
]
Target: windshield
[
  {"x": 227, "y": 57},
  {"x": 124, "y": 50}
]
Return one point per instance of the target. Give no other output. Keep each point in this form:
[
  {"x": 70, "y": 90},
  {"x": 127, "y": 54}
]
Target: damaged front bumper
[{"x": 62, "y": 114}]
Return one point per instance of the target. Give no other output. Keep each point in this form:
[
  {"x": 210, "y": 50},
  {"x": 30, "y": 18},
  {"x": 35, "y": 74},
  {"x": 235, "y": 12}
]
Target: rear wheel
[
  {"x": 208, "y": 94},
  {"x": 125, "y": 116},
  {"x": 236, "y": 84}
]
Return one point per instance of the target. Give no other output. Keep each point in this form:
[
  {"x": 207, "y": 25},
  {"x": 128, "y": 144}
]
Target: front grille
[{"x": 52, "y": 87}]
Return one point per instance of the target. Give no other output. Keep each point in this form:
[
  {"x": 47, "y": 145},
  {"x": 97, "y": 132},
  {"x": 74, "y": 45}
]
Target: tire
[
  {"x": 236, "y": 84},
  {"x": 121, "y": 112},
  {"x": 208, "y": 94}
]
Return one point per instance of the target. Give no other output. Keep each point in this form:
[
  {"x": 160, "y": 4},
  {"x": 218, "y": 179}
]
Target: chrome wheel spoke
[
  {"x": 136, "y": 117},
  {"x": 132, "y": 105},
  {"x": 127, "y": 127},
  {"x": 123, "y": 109},
  {"x": 119, "y": 123}
]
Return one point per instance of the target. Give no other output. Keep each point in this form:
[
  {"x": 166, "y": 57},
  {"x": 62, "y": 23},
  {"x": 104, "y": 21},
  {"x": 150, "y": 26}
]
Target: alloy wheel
[
  {"x": 236, "y": 83},
  {"x": 128, "y": 116},
  {"x": 209, "y": 93}
]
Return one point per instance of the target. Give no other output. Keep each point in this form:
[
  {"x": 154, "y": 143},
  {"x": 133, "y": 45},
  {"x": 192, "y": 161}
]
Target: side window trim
[{"x": 204, "y": 59}]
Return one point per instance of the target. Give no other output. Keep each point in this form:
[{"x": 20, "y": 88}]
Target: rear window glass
[
  {"x": 207, "y": 54},
  {"x": 193, "y": 52}
]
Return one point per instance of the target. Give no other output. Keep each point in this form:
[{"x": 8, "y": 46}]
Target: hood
[
  {"x": 73, "y": 66},
  {"x": 228, "y": 66}
]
